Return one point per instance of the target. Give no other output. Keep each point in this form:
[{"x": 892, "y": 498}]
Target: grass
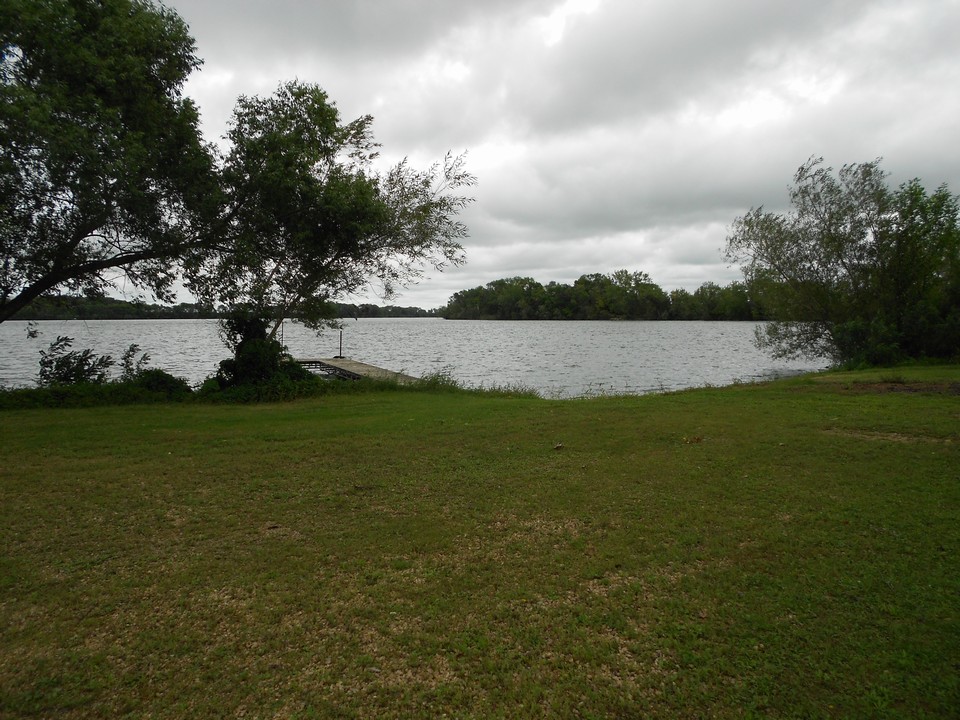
[{"x": 779, "y": 550}]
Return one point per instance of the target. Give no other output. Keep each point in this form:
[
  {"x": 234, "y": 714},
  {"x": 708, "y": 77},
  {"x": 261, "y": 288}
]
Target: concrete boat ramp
[{"x": 348, "y": 369}]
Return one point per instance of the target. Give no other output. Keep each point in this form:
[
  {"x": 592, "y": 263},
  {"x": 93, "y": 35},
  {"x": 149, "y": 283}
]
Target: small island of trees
[{"x": 622, "y": 295}]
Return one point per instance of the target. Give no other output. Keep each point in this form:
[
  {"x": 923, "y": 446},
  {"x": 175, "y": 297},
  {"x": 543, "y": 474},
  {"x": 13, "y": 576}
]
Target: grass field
[{"x": 781, "y": 550}]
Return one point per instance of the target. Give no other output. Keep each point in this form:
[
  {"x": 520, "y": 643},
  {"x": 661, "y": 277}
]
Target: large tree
[
  {"x": 858, "y": 272},
  {"x": 103, "y": 175},
  {"x": 311, "y": 220}
]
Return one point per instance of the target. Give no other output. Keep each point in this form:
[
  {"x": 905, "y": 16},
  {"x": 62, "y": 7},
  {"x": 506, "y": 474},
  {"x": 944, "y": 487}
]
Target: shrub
[
  {"x": 258, "y": 360},
  {"x": 132, "y": 366},
  {"x": 61, "y": 366},
  {"x": 254, "y": 362},
  {"x": 163, "y": 383}
]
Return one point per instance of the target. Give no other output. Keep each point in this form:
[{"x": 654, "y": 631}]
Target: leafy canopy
[
  {"x": 104, "y": 176},
  {"x": 309, "y": 217},
  {"x": 622, "y": 295},
  {"x": 102, "y": 165},
  {"x": 857, "y": 271}
]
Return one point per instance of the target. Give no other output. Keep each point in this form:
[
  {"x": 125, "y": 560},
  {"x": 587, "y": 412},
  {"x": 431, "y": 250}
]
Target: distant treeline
[
  {"x": 622, "y": 295},
  {"x": 71, "y": 307},
  {"x": 376, "y": 311}
]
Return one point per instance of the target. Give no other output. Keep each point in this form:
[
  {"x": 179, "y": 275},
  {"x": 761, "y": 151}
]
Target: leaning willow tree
[
  {"x": 104, "y": 176},
  {"x": 308, "y": 219},
  {"x": 103, "y": 173},
  {"x": 857, "y": 271}
]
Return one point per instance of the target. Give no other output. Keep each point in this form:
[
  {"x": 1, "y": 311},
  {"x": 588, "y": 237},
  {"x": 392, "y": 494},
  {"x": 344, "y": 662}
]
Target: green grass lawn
[{"x": 781, "y": 550}]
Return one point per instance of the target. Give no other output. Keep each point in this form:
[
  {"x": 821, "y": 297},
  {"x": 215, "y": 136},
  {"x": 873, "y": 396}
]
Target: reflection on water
[{"x": 559, "y": 359}]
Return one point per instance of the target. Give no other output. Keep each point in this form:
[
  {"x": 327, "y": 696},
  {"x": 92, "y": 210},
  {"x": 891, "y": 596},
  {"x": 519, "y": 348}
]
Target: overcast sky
[{"x": 607, "y": 134}]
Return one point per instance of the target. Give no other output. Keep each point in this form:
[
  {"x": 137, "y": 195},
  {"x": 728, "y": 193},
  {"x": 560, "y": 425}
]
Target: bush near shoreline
[{"x": 787, "y": 549}]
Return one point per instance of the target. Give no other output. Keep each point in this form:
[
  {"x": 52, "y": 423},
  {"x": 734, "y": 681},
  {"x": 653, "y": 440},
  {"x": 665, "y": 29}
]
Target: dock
[{"x": 347, "y": 369}]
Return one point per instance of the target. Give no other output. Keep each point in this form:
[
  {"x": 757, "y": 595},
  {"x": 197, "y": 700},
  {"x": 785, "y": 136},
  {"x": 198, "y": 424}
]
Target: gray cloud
[
  {"x": 608, "y": 133},
  {"x": 360, "y": 31}
]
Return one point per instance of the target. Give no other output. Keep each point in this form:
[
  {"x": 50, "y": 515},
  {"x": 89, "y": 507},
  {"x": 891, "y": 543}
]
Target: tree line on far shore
[
  {"x": 622, "y": 295},
  {"x": 72, "y": 307}
]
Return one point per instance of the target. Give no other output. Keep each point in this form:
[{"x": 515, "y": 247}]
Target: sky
[{"x": 606, "y": 134}]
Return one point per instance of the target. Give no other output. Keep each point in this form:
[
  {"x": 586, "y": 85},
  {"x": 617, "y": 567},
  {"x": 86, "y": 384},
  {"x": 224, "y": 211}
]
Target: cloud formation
[{"x": 607, "y": 134}]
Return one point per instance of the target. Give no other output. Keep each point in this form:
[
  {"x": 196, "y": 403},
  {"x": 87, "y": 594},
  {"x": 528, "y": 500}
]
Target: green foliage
[
  {"x": 103, "y": 165},
  {"x": 857, "y": 271},
  {"x": 156, "y": 386},
  {"x": 61, "y": 366},
  {"x": 79, "y": 378},
  {"x": 104, "y": 169},
  {"x": 369, "y": 310},
  {"x": 73, "y": 307},
  {"x": 623, "y": 295},
  {"x": 257, "y": 358},
  {"x": 150, "y": 385},
  {"x": 255, "y": 361},
  {"x": 131, "y": 367},
  {"x": 280, "y": 387},
  {"x": 310, "y": 220},
  {"x": 443, "y": 382},
  {"x": 440, "y": 381},
  {"x": 162, "y": 383},
  {"x": 241, "y": 325}
]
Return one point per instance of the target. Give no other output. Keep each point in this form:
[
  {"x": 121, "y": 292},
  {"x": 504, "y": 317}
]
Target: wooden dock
[{"x": 347, "y": 369}]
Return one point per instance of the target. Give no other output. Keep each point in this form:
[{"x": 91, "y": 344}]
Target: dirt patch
[
  {"x": 929, "y": 388},
  {"x": 891, "y": 437}
]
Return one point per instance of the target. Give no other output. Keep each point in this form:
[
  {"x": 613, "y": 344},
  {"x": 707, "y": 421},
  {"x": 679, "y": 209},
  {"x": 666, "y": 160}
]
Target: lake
[{"x": 558, "y": 359}]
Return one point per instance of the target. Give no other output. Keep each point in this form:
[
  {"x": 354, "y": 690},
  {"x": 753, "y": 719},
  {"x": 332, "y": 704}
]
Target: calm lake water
[{"x": 559, "y": 359}]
